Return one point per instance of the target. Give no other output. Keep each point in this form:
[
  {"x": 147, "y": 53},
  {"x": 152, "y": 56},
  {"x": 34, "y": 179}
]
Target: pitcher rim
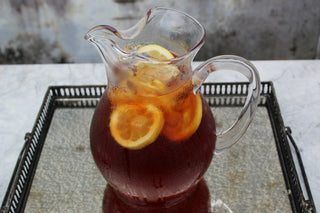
[
  {"x": 117, "y": 33},
  {"x": 196, "y": 46}
]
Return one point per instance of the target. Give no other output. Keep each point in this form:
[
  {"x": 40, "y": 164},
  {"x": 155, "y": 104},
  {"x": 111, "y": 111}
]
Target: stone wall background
[{"x": 46, "y": 31}]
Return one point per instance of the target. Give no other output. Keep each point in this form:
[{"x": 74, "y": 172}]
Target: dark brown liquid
[{"x": 159, "y": 172}]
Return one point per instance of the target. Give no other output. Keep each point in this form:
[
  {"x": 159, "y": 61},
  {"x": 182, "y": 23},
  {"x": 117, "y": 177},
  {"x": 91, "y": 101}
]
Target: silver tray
[{"x": 55, "y": 171}]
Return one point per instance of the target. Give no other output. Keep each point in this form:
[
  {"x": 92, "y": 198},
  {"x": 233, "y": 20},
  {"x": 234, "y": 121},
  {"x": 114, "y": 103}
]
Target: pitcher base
[{"x": 195, "y": 200}]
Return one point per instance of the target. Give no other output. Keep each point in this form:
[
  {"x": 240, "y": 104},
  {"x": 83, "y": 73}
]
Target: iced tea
[{"x": 152, "y": 143}]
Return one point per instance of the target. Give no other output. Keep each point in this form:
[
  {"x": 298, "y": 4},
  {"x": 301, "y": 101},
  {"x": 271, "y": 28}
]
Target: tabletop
[{"x": 22, "y": 88}]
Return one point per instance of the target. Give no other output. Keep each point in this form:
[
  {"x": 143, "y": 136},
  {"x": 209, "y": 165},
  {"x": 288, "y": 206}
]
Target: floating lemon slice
[
  {"x": 135, "y": 126},
  {"x": 152, "y": 77},
  {"x": 184, "y": 118},
  {"x": 156, "y": 51}
]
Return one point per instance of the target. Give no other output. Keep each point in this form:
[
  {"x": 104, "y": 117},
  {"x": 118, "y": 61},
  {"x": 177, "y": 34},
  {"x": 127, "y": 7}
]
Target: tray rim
[{"x": 220, "y": 94}]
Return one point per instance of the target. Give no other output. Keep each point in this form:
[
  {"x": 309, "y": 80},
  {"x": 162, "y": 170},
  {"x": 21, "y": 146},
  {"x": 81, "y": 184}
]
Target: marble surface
[{"x": 22, "y": 88}]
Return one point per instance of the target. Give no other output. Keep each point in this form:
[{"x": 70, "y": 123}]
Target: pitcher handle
[{"x": 229, "y": 137}]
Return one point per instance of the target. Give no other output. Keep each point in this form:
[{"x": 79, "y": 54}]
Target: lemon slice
[
  {"x": 135, "y": 126},
  {"x": 183, "y": 118},
  {"x": 156, "y": 51},
  {"x": 152, "y": 78},
  {"x": 151, "y": 87}
]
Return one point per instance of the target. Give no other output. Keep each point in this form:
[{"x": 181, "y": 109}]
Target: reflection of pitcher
[{"x": 152, "y": 135}]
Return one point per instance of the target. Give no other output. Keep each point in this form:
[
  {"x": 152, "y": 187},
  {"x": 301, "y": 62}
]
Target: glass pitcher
[{"x": 152, "y": 134}]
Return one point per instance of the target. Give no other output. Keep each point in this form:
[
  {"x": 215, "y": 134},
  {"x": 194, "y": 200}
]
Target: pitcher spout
[
  {"x": 108, "y": 41},
  {"x": 173, "y": 30},
  {"x": 105, "y": 39},
  {"x": 116, "y": 47}
]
